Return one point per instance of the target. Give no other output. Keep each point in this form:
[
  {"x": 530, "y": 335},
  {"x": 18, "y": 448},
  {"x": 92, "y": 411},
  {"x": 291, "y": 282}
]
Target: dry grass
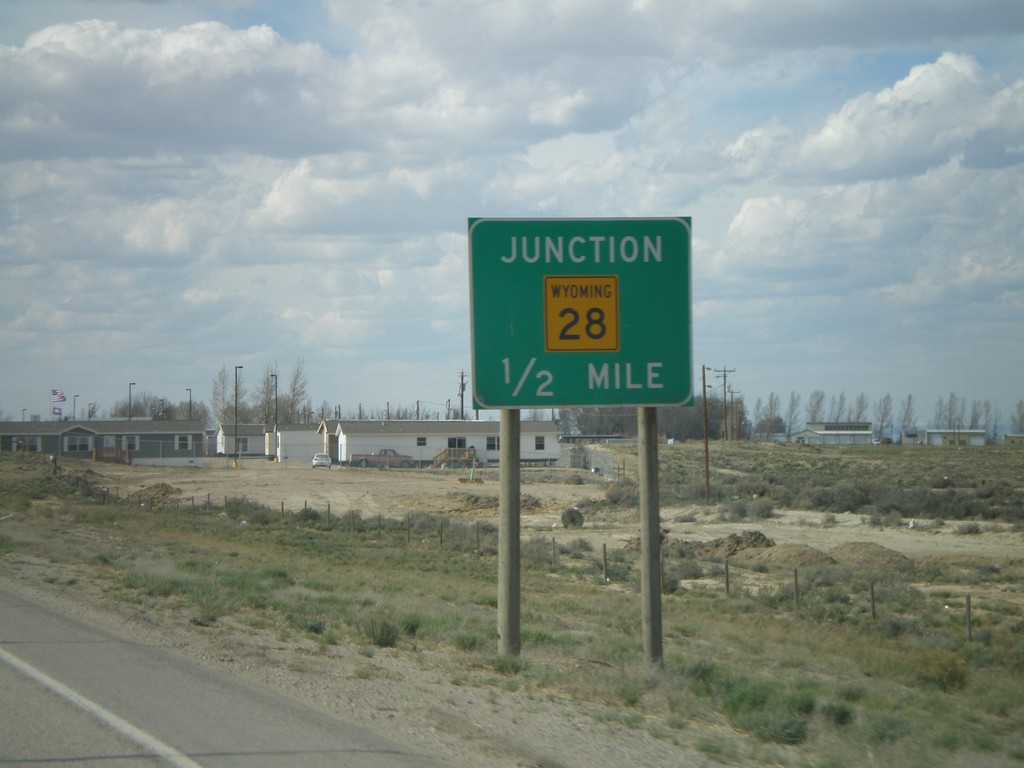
[{"x": 766, "y": 675}]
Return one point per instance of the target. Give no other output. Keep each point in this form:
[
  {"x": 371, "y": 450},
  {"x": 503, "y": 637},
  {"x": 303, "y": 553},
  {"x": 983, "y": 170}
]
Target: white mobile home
[
  {"x": 835, "y": 433},
  {"x": 294, "y": 442},
  {"x": 248, "y": 443},
  {"x": 425, "y": 441}
]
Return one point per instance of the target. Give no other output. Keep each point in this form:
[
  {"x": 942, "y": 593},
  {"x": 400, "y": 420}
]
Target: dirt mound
[
  {"x": 468, "y": 502},
  {"x": 868, "y": 556},
  {"x": 727, "y": 546},
  {"x": 795, "y": 554},
  {"x": 161, "y": 493}
]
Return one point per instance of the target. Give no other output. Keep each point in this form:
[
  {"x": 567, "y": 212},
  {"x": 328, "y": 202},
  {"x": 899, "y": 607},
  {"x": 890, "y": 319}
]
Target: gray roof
[
  {"x": 103, "y": 427},
  {"x": 244, "y": 430},
  {"x": 295, "y": 428}
]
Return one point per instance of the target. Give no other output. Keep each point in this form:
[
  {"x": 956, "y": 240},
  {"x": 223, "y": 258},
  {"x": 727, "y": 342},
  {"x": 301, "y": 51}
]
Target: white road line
[{"x": 146, "y": 741}]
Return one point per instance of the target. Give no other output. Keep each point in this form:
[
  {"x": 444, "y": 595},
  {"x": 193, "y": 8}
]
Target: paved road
[{"x": 73, "y": 695}]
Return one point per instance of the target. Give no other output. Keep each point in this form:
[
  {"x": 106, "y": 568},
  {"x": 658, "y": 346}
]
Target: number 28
[{"x": 594, "y": 328}]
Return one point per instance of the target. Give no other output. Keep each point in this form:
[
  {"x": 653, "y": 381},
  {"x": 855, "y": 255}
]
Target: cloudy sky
[{"x": 187, "y": 186}]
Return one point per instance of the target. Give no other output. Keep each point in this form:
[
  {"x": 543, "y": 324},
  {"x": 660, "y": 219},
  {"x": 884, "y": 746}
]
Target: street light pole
[
  {"x": 189, "y": 403},
  {"x": 237, "y": 367},
  {"x": 132, "y": 384}
]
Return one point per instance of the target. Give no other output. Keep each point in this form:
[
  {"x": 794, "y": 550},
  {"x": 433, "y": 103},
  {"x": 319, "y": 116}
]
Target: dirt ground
[
  {"x": 546, "y": 494},
  {"x": 410, "y": 696}
]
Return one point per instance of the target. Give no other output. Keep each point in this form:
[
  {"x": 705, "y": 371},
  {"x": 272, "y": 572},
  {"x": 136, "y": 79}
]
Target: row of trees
[
  {"x": 770, "y": 418},
  {"x": 272, "y": 398},
  {"x": 889, "y": 418},
  {"x": 285, "y": 401}
]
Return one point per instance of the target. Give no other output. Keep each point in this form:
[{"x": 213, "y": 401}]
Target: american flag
[{"x": 56, "y": 396}]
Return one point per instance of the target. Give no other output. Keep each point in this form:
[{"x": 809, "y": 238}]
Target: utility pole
[
  {"x": 235, "y": 446},
  {"x": 707, "y": 460},
  {"x": 723, "y": 374},
  {"x": 462, "y": 394}
]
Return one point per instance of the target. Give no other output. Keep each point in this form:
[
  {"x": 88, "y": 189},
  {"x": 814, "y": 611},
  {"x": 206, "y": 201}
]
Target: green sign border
[{"x": 510, "y": 366}]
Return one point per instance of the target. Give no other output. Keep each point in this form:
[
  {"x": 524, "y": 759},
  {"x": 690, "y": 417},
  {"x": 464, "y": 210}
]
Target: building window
[
  {"x": 131, "y": 442},
  {"x": 243, "y": 445},
  {"x": 32, "y": 443},
  {"x": 77, "y": 443},
  {"x": 538, "y": 443},
  {"x": 421, "y": 442},
  {"x": 493, "y": 444},
  {"x": 456, "y": 442},
  {"x": 184, "y": 442}
]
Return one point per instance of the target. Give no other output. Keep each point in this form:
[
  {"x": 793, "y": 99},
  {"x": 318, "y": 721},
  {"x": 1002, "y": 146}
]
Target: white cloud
[
  {"x": 209, "y": 190},
  {"x": 927, "y": 117}
]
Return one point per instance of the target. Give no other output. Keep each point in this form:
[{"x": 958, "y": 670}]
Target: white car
[{"x": 321, "y": 460}]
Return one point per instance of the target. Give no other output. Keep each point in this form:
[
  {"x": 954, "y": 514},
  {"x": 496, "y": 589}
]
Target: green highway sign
[{"x": 580, "y": 312}]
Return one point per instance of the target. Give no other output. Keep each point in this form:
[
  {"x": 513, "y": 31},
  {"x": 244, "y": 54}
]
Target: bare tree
[
  {"x": 1017, "y": 419},
  {"x": 792, "y": 413},
  {"x": 883, "y": 414},
  {"x": 325, "y": 411},
  {"x": 950, "y": 413},
  {"x": 859, "y": 409},
  {"x": 907, "y": 416},
  {"x": 681, "y": 423},
  {"x": 296, "y": 407},
  {"x": 974, "y": 415},
  {"x": 837, "y": 408},
  {"x": 773, "y": 408},
  {"x": 220, "y": 396},
  {"x": 200, "y": 412},
  {"x": 993, "y": 424},
  {"x": 815, "y": 406},
  {"x": 983, "y": 420},
  {"x": 263, "y": 395}
]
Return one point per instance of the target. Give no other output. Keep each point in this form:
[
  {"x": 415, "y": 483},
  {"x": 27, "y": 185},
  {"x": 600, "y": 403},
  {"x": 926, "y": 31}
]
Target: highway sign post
[{"x": 580, "y": 312}]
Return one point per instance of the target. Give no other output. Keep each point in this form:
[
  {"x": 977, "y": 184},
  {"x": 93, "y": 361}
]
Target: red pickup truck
[{"x": 385, "y": 457}]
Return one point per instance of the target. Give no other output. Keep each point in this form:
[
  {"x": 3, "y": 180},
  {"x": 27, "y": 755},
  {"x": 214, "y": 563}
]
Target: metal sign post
[
  {"x": 508, "y": 535},
  {"x": 650, "y": 533}
]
